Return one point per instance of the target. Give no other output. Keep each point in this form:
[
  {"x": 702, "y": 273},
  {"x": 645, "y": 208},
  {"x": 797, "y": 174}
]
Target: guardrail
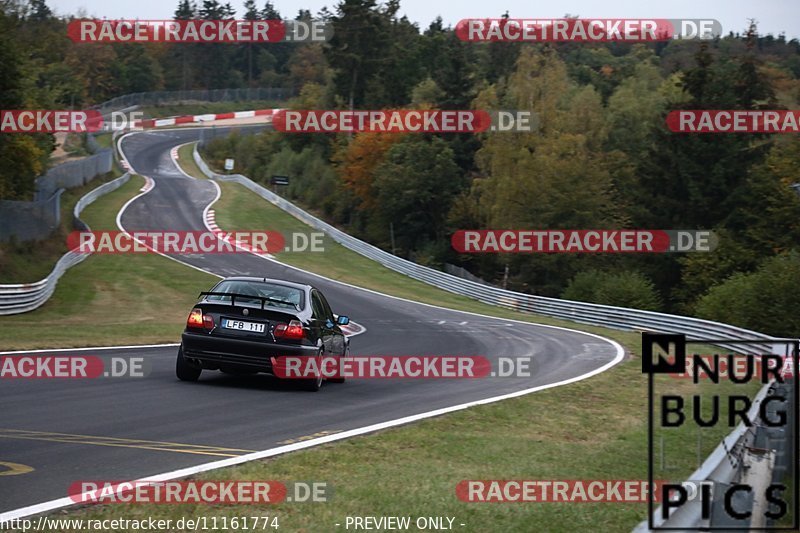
[
  {"x": 583, "y": 312},
  {"x": 718, "y": 465},
  {"x": 128, "y": 101},
  {"x": 24, "y": 297},
  {"x": 759, "y": 454}
]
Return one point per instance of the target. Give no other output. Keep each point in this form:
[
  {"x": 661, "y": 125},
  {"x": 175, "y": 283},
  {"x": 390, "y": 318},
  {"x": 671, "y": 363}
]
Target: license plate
[{"x": 243, "y": 326}]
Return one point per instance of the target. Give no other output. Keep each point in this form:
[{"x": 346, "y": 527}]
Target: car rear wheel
[
  {"x": 185, "y": 370},
  {"x": 315, "y": 383}
]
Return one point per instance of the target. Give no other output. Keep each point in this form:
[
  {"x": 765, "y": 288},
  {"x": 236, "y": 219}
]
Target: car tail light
[
  {"x": 198, "y": 320},
  {"x": 293, "y": 330},
  {"x": 195, "y": 319}
]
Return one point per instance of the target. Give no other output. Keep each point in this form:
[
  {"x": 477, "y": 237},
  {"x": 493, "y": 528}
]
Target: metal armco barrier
[
  {"x": 716, "y": 467},
  {"x": 586, "y": 313},
  {"x": 23, "y": 297},
  {"x": 200, "y": 95},
  {"x": 756, "y": 455}
]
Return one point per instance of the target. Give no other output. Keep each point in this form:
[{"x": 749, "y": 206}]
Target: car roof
[{"x": 301, "y": 286}]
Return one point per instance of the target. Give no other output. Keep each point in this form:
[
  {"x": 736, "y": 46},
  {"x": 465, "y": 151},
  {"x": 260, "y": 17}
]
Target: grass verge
[
  {"x": 186, "y": 160},
  {"x": 104, "y": 140},
  {"x": 110, "y": 299}
]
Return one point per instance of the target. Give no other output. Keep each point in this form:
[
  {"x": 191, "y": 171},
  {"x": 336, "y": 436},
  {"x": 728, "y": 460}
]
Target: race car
[{"x": 250, "y": 325}]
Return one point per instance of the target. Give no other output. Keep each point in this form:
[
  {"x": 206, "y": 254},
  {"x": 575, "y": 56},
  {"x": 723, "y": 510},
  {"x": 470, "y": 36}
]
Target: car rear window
[{"x": 281, "y": 296}]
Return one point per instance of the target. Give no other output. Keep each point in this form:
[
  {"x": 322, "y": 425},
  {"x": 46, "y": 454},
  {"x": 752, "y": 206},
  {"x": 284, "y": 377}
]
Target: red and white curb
[
  {"x": 211, "y": 223},
  {"x": 211, "y": 220},
  {"x": 352, "y": 329},
  {"x": 198, "y": 119},
  {"x": 149, "y": 183}
]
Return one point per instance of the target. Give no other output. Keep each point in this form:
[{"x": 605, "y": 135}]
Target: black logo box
[{"x": 652, "y": 366}]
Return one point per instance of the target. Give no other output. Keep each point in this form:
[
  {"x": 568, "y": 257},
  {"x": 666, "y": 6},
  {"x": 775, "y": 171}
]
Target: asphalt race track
[{"x": 117, "y": 429}]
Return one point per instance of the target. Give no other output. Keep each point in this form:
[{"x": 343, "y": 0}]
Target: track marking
[
  {"x": 94, "y": 348},
  {"x": 14, "y": 469},
  {"x": 310, "y": 437},
  {"x": 71, "y": 438}
]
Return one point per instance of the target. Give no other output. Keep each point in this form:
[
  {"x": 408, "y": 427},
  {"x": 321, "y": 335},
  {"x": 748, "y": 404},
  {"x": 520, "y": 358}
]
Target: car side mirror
[{"x": 342, "y": 320}]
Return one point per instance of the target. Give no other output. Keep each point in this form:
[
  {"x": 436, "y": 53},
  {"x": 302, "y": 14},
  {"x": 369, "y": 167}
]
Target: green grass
[
  {"x": 104, "y": 140},
  {"x": 110, "y": 299},
  {"x": 186, "y": 160}
]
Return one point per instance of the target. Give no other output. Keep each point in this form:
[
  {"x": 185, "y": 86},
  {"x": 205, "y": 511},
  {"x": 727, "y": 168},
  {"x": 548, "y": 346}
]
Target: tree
[
  {"x": 20, "y": 156},
  {"x": 357, "y": 160},
  {"x": 402, "y": 68},
  {"x": 308, "y": 65},
  {"x": 415, "y": 187},
  {"x": 185, "y": 11},
  {"x": 137, "y": 70},
  {"x": 184, "y": 54},
  {"x": 763, "y": 301},
  {"x": 555, "y": 177},
  {"x": 501, "y": 57},
  {"x": 91, "y": 62},
  {"x": 358, "y": 47},
  {"x": 692, "y": 179},
  {"x": 455, "y": 73},
  {"x": 218, "y": 54},
  {"x": 39, "y": 11}
]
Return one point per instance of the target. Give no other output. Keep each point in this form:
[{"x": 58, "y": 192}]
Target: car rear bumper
[{"x": 225, "y": 352}]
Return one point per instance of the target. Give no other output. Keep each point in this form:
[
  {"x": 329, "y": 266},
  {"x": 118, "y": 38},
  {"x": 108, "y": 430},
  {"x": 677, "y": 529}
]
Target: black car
[{"x": 247, "y": 325}]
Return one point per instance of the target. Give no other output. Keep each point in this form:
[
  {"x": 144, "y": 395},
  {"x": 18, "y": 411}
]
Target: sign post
[{"x": 278, "y": 180}]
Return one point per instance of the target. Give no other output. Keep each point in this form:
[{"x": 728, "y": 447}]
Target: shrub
[
  {"x": 764, "y": 301},
  {"x": 622, "y": 289}
]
